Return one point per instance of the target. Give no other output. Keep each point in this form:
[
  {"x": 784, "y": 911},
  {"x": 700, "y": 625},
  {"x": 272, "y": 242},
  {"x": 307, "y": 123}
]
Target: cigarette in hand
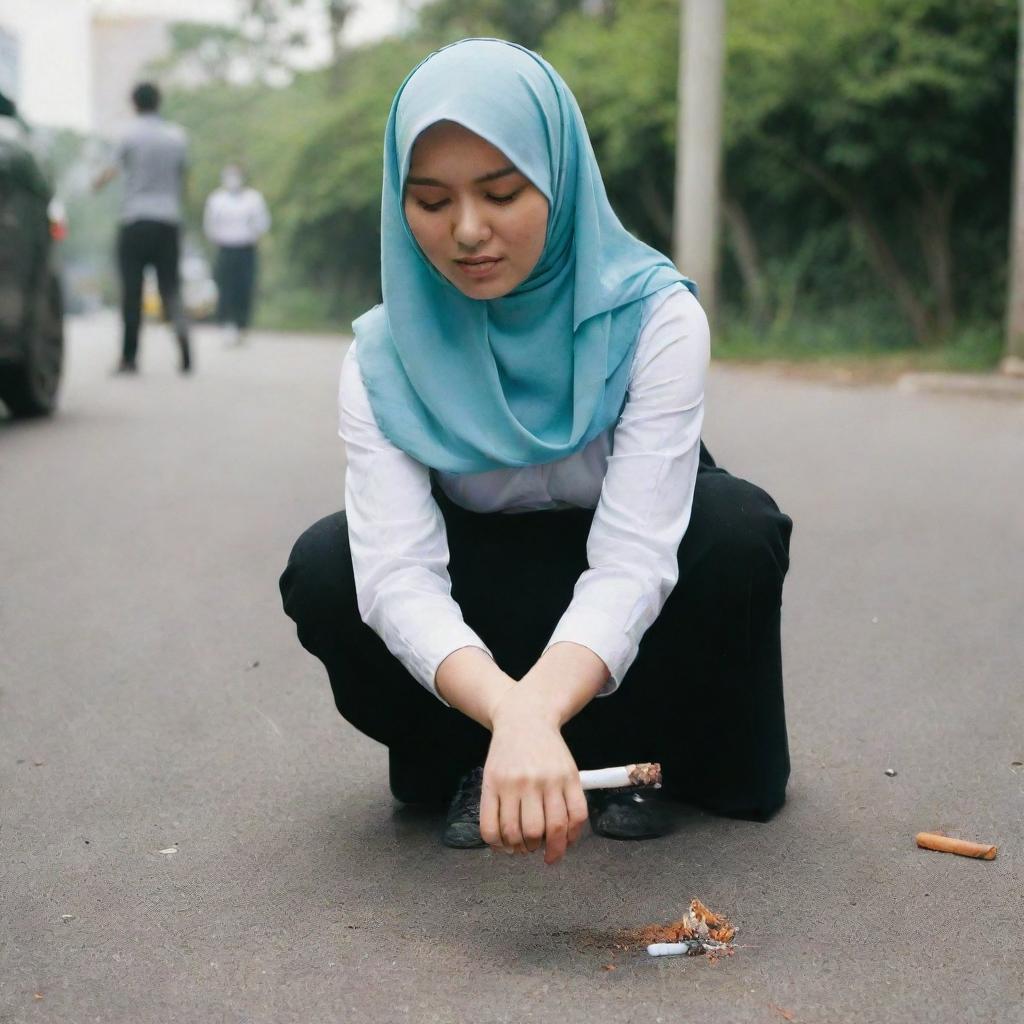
[
  {"x": 626, "y": 775},
  {"x": 946, "y": 844}
]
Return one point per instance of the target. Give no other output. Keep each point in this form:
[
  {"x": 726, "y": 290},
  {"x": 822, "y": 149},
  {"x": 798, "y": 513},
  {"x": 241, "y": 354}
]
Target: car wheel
[{"x": 30, "y": 388}]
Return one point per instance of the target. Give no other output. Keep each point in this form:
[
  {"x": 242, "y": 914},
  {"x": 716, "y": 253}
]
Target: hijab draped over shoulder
[{"x": 468, "y": 385}]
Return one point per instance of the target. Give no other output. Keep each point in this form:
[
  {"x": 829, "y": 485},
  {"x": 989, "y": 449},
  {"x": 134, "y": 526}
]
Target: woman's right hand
[{"x": 531, "y": 789}]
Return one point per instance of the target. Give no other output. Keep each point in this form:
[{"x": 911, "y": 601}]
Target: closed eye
[
  {"x": 498, "y": 199},
  {"x": 432, "y": 207},
  {"x": 507, "y": 198}
]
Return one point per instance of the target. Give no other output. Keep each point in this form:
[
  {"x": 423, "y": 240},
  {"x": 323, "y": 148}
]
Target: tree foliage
[
  {"x": 517, "y": 20},
  {"x": 899, "y": 112},
  {"x": 867, "y": 147}
]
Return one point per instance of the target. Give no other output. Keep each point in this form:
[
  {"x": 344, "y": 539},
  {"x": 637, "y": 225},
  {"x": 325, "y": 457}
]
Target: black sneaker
[
  {"x": 632, "y": 813},
  {"x": 124, "y": 367},
  {"x": 462, "y": 826}
]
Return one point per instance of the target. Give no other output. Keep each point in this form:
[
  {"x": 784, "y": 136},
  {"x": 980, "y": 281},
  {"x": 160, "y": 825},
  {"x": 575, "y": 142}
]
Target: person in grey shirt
[{"x": 152, "y": 157}]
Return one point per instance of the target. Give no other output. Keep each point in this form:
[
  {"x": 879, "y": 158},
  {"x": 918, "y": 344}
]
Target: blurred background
[{"x": 866, "y": 148}]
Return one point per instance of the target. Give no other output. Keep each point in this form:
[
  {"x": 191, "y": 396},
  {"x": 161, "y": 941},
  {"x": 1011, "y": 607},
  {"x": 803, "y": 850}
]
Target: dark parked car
[{"x": 31, "y": 308}]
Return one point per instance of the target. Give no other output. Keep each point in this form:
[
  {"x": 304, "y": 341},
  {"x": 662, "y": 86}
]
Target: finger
[
  {"x": 508, "y": 820},
  {"x": 576, "y": 806},
  {"x": 489, "y": 830},
  {"x": 531, "y": 816},
  {"x": 556, "y": 826}
]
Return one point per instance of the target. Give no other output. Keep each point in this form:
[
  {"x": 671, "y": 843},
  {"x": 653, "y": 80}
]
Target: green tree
[
  {"x": 515, "y": 20},
  {"x": 866, "y": 166},
  {"x": 862, "y": 135},
  {"x": 336, "y": 176},
  {"x": 622, "y": 69},
  {"x": 897, "y": 110}
]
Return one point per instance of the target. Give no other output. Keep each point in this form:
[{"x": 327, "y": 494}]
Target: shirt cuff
[{"x": 602, "y": 634}]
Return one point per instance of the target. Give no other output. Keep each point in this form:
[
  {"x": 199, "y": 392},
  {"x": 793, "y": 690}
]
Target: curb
[{"x": 983, "y": 385}]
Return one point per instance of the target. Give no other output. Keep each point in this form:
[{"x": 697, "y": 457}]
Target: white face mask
[{"x": 232, "y": 181}]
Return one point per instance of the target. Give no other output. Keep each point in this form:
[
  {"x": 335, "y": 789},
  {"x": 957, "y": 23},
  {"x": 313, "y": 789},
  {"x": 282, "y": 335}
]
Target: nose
[{"x": 469, "y": 226}]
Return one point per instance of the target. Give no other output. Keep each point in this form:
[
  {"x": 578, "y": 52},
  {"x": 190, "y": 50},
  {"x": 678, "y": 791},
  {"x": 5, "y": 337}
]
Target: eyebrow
[{"x": 491, "y": 176}]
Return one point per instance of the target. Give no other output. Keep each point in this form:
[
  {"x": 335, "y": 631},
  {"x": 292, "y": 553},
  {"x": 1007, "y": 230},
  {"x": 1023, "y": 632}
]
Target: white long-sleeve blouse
[{"x": 638, "y": 476}]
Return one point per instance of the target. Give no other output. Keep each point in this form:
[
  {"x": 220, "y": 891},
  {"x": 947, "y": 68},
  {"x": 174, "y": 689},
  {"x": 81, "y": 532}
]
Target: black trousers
[
  {"x": 236, "y": 281},
  {"x": 141, "y": 244},
  {"x": 703, "y": 697}
]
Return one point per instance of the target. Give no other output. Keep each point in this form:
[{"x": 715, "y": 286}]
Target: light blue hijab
[{"x": 468, "y": 385}]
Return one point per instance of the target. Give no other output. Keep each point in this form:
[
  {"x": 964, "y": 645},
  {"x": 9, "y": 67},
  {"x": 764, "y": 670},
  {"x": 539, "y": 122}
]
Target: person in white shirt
[
  {"x": 235, "y": 218},
  {"x": 539, "y": 567}
]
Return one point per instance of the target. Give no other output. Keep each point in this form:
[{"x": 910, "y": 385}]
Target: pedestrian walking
[
  {"x": 152, "y": 157},
  {"x": 539, "y": 568},
  {"x": 234, "y": 220}
]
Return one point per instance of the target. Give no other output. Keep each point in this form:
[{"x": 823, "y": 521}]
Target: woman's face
[{"x": 477, "y": 219}]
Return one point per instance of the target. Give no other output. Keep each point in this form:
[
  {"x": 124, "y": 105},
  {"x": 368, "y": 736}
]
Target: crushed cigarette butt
[
  {"x": 963, "y": 847},
  {"x": 700, "y": 931}
]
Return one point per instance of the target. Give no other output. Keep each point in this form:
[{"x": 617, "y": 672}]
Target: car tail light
[{"x": 58, "y": 220}]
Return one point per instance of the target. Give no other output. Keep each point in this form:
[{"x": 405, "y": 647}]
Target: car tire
[{"x": 30, "y": 387}]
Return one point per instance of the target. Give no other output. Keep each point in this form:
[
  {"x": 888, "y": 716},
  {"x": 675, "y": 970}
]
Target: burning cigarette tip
[{"x": 645, "y": 774}]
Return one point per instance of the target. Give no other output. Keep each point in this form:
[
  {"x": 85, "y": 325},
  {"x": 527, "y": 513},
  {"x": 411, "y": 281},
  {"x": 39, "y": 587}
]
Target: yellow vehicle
[{"x": 198, "y": 290}]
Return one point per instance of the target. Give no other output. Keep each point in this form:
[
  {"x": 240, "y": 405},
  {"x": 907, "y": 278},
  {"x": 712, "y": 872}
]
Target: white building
[
  {"x": 9, "y": 61},
  {"x": 76, "y": 60},
  {"x": 72, "y": 63},
  {"x": 53, "y": 83},
  {"x": 121, "y": 47}
]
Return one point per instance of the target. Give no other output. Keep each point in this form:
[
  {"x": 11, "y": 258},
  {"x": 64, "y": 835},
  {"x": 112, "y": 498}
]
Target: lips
[{"x": 478, "y": 267}]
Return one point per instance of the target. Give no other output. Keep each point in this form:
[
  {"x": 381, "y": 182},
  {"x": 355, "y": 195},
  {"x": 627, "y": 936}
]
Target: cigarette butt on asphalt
[
  {"x": 946, "y": 844},
  {"x": 624, "y": 775},
  {"x": 668, "y": 948}
]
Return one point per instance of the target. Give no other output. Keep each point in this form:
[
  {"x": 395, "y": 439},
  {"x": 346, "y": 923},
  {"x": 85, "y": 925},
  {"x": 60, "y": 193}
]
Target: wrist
[
  {"x": 470, "y": 681},
  {"x": 533, "y": 701},
  {"x": 494, "y": 696}
]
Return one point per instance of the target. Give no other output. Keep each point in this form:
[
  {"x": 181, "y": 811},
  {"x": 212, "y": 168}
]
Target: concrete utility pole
[
  {"x": 1014, "y": 361},
  {"x": 699, "y": 144}
]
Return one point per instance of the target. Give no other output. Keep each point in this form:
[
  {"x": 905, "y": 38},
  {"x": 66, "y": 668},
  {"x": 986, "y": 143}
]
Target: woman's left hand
[{"x": 531, "y": 788}]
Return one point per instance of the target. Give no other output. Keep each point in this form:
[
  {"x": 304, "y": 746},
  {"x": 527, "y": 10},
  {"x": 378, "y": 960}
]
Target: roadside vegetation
[{"x": 867, "y": 162}]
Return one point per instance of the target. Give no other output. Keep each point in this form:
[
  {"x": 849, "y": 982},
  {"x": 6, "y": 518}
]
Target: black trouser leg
[
  {"x": 236, "y": 279},
  {"x": 131, "y": 261},
  {"x": 704, "y": 695},
  {"x": 166, "y": 257},
  {"x": 371, "y": 688},
  {"x": 246, "y": 286}
]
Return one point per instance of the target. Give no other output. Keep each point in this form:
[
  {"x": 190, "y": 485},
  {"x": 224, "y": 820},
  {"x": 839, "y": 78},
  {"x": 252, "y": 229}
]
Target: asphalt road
[{"x": 154, "y": 699}]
